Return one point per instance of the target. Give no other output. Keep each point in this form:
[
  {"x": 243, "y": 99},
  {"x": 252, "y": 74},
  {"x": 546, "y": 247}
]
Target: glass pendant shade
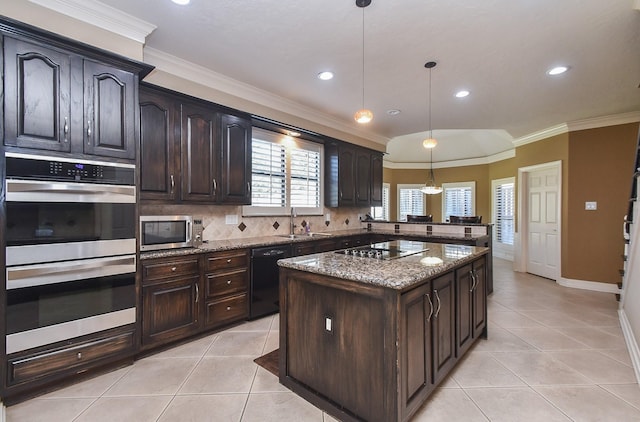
[
  {"x": 363, "y": 116},
  {"x": 429, "y": 143}
]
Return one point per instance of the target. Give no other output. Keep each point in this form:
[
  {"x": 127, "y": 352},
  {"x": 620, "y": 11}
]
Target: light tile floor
[{"x": 553, "y": 354}]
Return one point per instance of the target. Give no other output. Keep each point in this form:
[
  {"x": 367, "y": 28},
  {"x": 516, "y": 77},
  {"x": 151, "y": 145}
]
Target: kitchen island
[{"x": 368, "y": 334}]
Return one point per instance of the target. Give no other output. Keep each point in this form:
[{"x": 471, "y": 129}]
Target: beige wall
[{"x": 597, "y": 165}]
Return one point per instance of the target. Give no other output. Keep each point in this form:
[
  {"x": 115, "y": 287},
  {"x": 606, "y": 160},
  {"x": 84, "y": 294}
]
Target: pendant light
[
  {"x": 430, "y": 143},
  {"x": 363, "y": 115}
]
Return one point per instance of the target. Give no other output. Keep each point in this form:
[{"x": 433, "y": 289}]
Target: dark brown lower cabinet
[
  {"x": 365, "y": 352},
  {"x": 33, "y": 370},
  {"x": 471, "y": 295}
]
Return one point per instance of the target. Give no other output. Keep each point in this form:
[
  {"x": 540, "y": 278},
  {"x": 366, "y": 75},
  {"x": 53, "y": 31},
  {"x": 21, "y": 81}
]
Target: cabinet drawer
[
  {"x": 223, "y": 284},
  {"x": 227, "y": 310},
  {"x": 227, "y": 260},
  {"x": 157, "y": 270},
  {"x": 48, "y": 363}
]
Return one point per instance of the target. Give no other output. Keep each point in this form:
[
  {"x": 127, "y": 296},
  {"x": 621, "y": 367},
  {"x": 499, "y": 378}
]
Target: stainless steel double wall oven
[{"x": 71, "y": 248}]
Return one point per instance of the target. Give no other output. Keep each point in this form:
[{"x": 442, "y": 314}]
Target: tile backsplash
[{"x": 214, "y": 220}]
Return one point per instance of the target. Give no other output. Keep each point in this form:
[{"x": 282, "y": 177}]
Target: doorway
[{"x": 539, "y": 204}]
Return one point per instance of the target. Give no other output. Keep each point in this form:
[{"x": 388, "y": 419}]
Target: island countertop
[{"x": 422, "y": 260}]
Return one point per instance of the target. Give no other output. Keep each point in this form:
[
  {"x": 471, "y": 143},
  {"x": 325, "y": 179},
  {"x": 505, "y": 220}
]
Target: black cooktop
[{"x": 383, "y": 251}]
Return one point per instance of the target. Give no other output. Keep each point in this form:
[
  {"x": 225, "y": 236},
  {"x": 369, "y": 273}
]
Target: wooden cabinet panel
[
  {"x": 415, "y": 335},
  {"x": 109, "y": 117},
  {"x": 37, "y": 97},
  {"x": 70, "y": 357},
  {"x": 159, "y": 146},
  {"x": 199, "y": 160},
  {"x": 443, "y": 325},
  {"x": 363, "y": 178},
  {"x": 170, "y": 310},
  {"x": 236, "y": 159},
  {"x": 376, "y": 179},
  {"x": 471, "y": 306},
  {"x": 226, "y": 283},
  {"x": 353, "y": 176},
  {"x": 227, "y": 310},
  {"x": 227, "y": 260},
  {"x": 159, "y": 269}
]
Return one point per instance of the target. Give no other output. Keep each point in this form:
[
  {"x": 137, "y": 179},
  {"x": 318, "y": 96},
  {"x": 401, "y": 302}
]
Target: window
[
  {"x": 410, "y": 201},
  {"x": 458, "y": 199},
  {"x": 285, "y": 173},
  {"x": 503, "y": 210},
  {"x": 382, "y": 213}
]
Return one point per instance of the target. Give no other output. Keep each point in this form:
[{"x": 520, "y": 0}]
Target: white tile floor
[{"x": 553, "y": 354}]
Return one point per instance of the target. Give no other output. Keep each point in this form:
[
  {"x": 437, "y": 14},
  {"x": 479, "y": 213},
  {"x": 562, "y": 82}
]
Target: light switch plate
[
  {"x": 327, "y": 217},
  {"x": 590, "y": 205}
]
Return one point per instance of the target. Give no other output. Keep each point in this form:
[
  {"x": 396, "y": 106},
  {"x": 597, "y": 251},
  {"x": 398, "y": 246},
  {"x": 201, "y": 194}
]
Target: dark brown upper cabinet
[
  {"x": 353, "y": 176},
  {"x": 235, "y": 140},
  {"x": 37, "y": 100},
  {"x": 192, "y": 150},
  {"x": 159, "y": 146},
  {"x": 67, "y": 98}
]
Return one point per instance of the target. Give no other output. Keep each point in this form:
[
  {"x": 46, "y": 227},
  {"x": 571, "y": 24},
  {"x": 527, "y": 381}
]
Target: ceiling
[{"x": 499, "y": 50}]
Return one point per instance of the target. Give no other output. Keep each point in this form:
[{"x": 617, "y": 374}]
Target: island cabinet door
[
  {"x": 415, "y": 348},
  {"x": 443, "y": 325},
  {"x": 472, "y": 304}
]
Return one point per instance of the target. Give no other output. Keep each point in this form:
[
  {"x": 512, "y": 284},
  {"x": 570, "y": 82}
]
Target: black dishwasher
[{"x": 264, "y": 287}]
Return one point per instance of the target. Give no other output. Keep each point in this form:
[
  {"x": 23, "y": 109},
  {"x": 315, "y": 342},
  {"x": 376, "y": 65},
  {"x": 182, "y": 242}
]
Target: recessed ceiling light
[
  {"x": 462, "y": 94},
  {"x": 181, "y": 2},
  {"x": 393, "y": 112},
  {"x": 293, "y": 133},
  {"x": 557, "y": 70},
  {"x": 325, "y": 76}
]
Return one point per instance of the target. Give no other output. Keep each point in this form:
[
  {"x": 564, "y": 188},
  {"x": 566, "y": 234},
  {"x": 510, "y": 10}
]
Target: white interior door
[{"x": 543, "y": 222}]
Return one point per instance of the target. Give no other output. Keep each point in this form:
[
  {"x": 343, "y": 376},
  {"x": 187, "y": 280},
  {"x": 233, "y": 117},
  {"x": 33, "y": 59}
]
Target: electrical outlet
[
  {"x": 231, "y": 219},
  {"x": 327, "y": 217},
  {"x": 590, "y": 205}
]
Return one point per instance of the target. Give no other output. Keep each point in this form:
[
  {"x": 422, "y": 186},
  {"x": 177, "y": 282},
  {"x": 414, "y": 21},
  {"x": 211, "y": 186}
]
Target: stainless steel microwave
[{"x": 169, "y": 232}]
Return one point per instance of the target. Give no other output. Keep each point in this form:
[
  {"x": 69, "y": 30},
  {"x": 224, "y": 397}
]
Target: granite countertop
[
  {"x": 398, "y": 274},
  {"x": 256, "y": 242}
]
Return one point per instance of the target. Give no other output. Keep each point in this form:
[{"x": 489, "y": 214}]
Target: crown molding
[
  {"x": 540, "y": 135},
  {"x": 596, "y": 122},
  {"x": 201, "y": 75},
  {"x": 99, "y": 14},
  {"x": 511, "y": 153}
]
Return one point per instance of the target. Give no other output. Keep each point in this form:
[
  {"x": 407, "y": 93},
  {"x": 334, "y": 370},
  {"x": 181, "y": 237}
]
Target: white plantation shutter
[
  {"x": 410, "y": 201},
  {"x": 382, "y": 213},
  {"x": 504, "y": 210},
  {"x": 285, "y": 173},
  {"x": 458, "y": 199},
  {"x": 268, "y": 174},
  {"x": 305, "y": 178}
]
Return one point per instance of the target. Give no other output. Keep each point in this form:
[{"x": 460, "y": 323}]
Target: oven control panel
[{"x": 22, "y": 166}]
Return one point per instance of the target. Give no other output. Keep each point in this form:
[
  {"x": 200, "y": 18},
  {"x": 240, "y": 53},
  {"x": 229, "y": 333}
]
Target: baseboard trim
[
  {"x": 632, "y": 344},
  {"x": 596, "y": 286}
]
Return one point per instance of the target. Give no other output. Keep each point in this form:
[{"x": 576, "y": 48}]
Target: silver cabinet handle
[
  {"x": 229, "y": 261},
  {"x": 228, "y": 282},
  {"x": 473, "y": 281},
  {"x": 173, "y": 269},
  {"x": 430, "y": 306},
  {"x": 435, "y": 292},
  {"x": 66, "y": 128},
  {"x": 89, "y": 129},
  {"x": 173, "y": 183},
  {"x": 248, "y": 187},
  {"x": 197, "y": 294},
  {"x": 228, "y": 308},
  {"x": 79, "y": 355},
  {"x": 215, "y": 186}
]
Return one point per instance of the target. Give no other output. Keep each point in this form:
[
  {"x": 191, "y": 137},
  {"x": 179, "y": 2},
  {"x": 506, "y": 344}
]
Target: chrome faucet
[{"x": 292, "y": 226}]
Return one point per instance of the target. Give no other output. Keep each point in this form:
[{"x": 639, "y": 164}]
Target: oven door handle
[
  {"x": 60, "y": 272},
  {"x": 17, "y": 190}
]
